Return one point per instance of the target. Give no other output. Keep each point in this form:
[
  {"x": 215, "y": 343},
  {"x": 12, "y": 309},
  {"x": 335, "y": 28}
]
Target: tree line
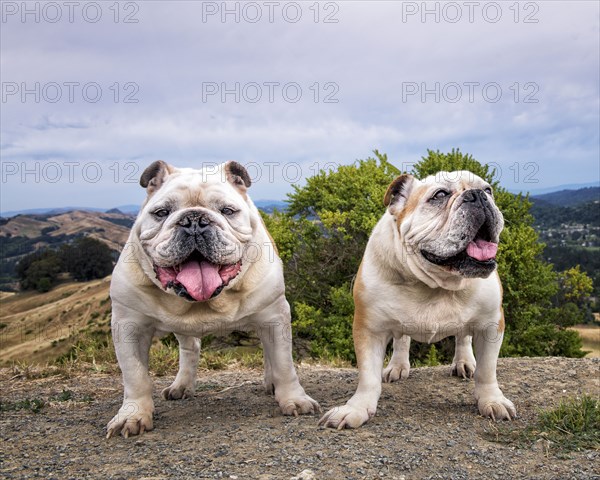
[{"x": 84, "y": 259}]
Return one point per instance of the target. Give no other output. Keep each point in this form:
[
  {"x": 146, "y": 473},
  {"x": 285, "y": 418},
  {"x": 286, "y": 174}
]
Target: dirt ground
[{"x": 427, "y": 427}]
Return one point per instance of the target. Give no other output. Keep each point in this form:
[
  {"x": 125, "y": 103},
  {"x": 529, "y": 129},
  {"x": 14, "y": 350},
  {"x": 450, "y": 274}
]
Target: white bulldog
[
  {"x": 199, "y": 260},
  {"x": 429, "y": 272}
]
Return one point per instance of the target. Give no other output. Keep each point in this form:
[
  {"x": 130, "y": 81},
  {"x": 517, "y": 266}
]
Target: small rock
[
  {"x": 450, "y": 443},
  {"x": 305, "y": 475}
]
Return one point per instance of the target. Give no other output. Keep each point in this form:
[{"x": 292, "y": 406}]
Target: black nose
[
  {"x": 194, "y": 222},
  {"x": 474, "y": 196}
]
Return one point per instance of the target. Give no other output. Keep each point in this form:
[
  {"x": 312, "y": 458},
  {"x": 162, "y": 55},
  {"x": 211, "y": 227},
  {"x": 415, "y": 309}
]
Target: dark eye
[
  {"x": 440, "y": 194},
  {"x": 488, "y": 190},
  {"x": 227, "y": 211},
  {"x": 161, "y": 213}
]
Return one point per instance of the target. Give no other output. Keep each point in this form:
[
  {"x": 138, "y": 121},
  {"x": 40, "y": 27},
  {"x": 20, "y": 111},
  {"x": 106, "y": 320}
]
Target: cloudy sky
[{"x": 94, "y": 92}]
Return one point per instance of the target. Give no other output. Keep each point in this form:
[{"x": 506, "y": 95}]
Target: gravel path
[{"x": 427, "y": 427}]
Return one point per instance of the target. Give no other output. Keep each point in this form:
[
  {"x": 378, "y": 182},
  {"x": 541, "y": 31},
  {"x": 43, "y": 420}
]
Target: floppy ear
[
  {"x": 237, "y": 175},
  {"x": 154, "y": 176},
  {"x": 398, "y": 192}
]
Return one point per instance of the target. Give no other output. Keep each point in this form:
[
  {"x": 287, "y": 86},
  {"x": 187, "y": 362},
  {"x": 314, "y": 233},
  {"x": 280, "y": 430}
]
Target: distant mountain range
[
  {"x": 128, "y": 209},
  {"x": 535, "y": 192},
  {"x": 568, "y": 198},
  {"x": 560, "y": 193},
  {"x": 265, "y": 205}
]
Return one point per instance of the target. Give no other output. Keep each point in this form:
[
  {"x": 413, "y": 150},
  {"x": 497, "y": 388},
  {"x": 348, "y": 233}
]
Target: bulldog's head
[
  {"x": 449, "y": 224},
  {"x": 194, "y": 226}
]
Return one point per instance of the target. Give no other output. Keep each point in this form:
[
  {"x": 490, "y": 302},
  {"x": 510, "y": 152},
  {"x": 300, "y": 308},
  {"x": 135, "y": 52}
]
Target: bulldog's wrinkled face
[
  {"x": 448, "y": 221},
  {"x": 194, "y": 227}
]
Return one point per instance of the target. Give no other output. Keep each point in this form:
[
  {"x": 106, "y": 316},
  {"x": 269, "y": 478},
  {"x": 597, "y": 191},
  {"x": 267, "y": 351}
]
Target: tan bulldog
[{"x": 429, "y": 272}]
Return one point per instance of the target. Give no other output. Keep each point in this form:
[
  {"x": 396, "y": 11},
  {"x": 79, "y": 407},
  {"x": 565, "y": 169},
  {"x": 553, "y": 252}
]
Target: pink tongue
[
  {"x": 200, "y": 279},
  {"x": 482, "y": 250}
]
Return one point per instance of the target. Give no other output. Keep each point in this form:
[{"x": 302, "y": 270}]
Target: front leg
[
  {"x": 132, "y": 336},
  {"x": 274, "y": 330},
  {"x": 184, "y": 384},
  {"x": 370, "y": 350},
  {"x": 490, "y": 399}
]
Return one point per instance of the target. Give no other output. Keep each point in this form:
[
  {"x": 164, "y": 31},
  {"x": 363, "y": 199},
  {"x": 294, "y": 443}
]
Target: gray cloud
[{"x": 370, "y": 61}]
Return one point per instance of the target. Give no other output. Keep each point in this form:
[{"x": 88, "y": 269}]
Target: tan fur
[
  {"x": 411, "y": 205},
  {"x": 359, "y": 310},
  {"x": 501, "y": 323}
]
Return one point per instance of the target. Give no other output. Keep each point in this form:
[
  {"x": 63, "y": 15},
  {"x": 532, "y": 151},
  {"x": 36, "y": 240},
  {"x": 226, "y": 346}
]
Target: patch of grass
[
  {"x": 216, "y": 359},
  {"x": 223, "y": 359},
  {"x": 252, "y": 360},
  {"x": 91, "y": 347},
  {"x": 64, "y": 396},
  {"x": 164, "y": 359},
  {"x": 573, "y": 425},
  {"x": 23, "y": 370},
  {"x": 33, "y": 405}
]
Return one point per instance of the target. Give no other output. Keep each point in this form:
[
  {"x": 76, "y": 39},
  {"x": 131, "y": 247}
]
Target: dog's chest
[
  {"x": 433, "y": 316},
  {"x": 197, "y": 320}
]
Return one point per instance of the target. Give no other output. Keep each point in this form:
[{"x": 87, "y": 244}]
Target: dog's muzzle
[{"x": 477, "y": 258}]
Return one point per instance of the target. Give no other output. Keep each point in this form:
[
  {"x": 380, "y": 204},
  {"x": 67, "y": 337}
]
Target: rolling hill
[
  {"x": 568, "y": 198},
  {"x": 24, "y": 234},
  {"x": 40, "y": 327}
]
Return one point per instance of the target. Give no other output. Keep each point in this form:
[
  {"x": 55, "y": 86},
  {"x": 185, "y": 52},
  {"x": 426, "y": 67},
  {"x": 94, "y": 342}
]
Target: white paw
[
  {"x": 298, "y": 405},
  {"x": 463, "y": 368},
  {"x": 395, "y": 372},
  {"x": 178, "y": 391},
  {"x": 134, "y": 417},
  {"x": 496, "y": 406},
  {"x": 345, "y": 416}
]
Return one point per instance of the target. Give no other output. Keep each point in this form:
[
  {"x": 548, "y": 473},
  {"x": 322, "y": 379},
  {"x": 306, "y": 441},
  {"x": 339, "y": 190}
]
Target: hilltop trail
[{"x": 426, "y": 427}]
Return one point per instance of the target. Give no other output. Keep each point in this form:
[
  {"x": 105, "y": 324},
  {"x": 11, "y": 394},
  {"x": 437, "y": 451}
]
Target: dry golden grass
[
  {"x": 590, "y": 335},
  {"x": 40, "y": 327}
]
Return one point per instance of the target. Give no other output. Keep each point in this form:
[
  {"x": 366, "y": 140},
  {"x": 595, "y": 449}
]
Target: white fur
[{"x": 254, "y": 300}]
